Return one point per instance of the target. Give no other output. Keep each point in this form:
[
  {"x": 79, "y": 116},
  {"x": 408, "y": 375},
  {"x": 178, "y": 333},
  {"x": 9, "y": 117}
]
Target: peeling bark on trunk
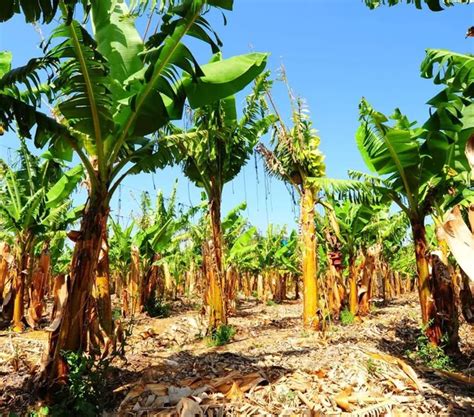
[
  {"x": 214, "y": 299},
  {"x": 366, "y": 284},
  {"x": 149, "y": 288},
  {"x": 39, "y": 283},
  {"x": 353, "y": 285},
  {"x": 467, "y": 299},
  {"x": 425, "y": 291},
  {"x": 231, "y": 295},
  {"x": 446, "y": 304},
  {"x": 71, "y": 334},
  {"x": 386, "y": 287},
  {"x": 104, "y": 303},
  {"x": 5, "y": 260},
  {"x": 23, "y": 267},
  {"x": 134, "y": 283},
  {"x": 308, "y": 247}
]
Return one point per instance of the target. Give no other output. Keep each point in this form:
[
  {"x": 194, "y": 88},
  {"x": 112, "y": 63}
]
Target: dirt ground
[{"x": 273, "y": 367}]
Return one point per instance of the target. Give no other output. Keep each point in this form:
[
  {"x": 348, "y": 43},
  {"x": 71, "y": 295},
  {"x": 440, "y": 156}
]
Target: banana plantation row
[{"x": 113, "y": 96}]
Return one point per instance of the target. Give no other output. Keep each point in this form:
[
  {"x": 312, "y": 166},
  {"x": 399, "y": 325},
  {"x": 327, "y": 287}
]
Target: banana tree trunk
[
  {"x": 24, "y": 249},
  {"x": 150, "y": 281},
  {"x": 104, "y": 302},
  {"x": 38, "y": 287},
  {"x": 214, "y": 299},
  {"x": 446, "y": 303},
  {"x": 366, "y": 285},
  {"x": 134, "y": 283},
  {"x": 4, "y": 267},
  {"x": 386, "y": 287},
  {"x": 308, "y": 247},
  {"x": 353, "y": 284},
  {"x": 231, "y": 290},
  {"x": 71, "y": 333},
  {"x": 215, "y": 269},
  {"x": 425, "y": 291},
  {"x": 467, "y": 298}
]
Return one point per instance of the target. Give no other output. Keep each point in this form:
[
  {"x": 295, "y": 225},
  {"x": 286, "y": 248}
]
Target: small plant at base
[
  {"x": 254, "y": 294},
  {"x": 347, "y": 317},
  {"x": 304, "y": 333},
  {"x": 42, "y": 411},
  {"x": 155, "y": 307},
  {"x": 430, "y": 354},
  {"x": 271, "y": 303},
  {"x": 116, "y": 313},
  {"x": 84, "y": 393},
  {"x": 222, "y": 335},
  {"x": 371, "y": 366}
]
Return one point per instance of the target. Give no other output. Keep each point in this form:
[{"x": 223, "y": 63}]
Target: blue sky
[{"x": 335, "y": 52}]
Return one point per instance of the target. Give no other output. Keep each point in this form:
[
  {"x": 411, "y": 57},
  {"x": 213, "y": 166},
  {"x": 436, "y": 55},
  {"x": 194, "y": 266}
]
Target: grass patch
[
  {"x": 271, "y": 303},
  {"x": 221, "y": 336},
  {"x": 347, "y": 318}
]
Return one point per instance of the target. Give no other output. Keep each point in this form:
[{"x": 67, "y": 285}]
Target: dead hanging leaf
[
  {"x": 60, "y": 292},
  {"x": 189, "y": 408},
  {"x": 460, "y": 241},
  {"x": 235, "y": 393}
]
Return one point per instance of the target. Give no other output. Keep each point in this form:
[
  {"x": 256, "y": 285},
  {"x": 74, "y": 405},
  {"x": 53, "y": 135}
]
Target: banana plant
[
  {"x": 413, "y": 177},
  {"x": 419, "y": 164},
  {"x": 34, "y": 200},
  {"x": 350, "y": 222},
  {"x": 160, "y": 231},
  {"x": 113, "y": 90},
  {"x": 213, "y": 152},
  {"x": 434, "y": 5}
]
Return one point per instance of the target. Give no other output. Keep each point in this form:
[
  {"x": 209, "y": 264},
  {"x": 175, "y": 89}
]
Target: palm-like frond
[
  {"x": 85, "y": 100},
  {"x": 435, "y": 5},
  {"x": 454, "y": 70},
  {"x": 34, "y": 10},
  {"x": 29, "y": 75},
  {"x": 351, "y": 189}
]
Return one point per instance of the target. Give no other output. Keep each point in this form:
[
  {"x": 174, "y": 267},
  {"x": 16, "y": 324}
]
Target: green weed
[
  {"x": 372, "y": 367},
  {"x": 156, "y": 307},
  {"x": 271, "y": 303},
  {"x": 431, "y": 355},
  {"x": 347, "y": 318},
  {"x": 116, "y": 313},
  {"x": 221, "y": 336},
  {"x": 85, "y": 392}
]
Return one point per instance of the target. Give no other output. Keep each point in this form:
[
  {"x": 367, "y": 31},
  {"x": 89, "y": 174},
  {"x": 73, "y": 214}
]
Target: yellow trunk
[
  {"x": 134, "y": 284},
  {"x": 353, "y": 302},
  {"x": 214, "y": 298},
  {"x": 4, "y": 266},
  {"x": 308, "y": 247}
]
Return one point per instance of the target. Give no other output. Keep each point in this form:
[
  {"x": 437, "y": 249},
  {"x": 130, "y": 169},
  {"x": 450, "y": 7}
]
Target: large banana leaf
[
  {"x": 224, "y": 78},
  {"x": 118, "y": 41},
  {"x": 64, "y": 187}
]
